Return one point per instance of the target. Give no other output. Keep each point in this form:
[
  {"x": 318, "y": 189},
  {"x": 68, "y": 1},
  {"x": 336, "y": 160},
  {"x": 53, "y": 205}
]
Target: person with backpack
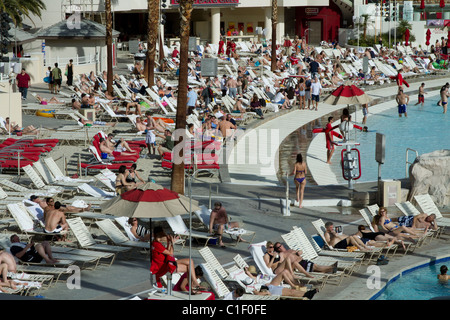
[{"x": 57, "y": 78}]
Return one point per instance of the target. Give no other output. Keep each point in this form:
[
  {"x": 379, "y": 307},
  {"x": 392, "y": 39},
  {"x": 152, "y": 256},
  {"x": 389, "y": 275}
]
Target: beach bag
[
  {"x": 47, "y": 79},
  {"x": 104, "y": 155}
]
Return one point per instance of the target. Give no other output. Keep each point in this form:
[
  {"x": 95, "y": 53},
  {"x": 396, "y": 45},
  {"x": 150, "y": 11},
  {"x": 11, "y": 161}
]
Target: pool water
[
  {"x": 418, "y": 284},
  {"x": 426, "y": 129}
]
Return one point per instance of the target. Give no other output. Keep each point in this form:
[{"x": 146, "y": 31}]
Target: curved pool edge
[
  {"x": 406, "y": 271},
  {"x": 356, "y": 286}
]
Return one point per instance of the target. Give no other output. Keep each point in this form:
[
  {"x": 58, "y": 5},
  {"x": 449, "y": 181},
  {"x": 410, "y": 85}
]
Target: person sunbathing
[
  {"x": 15, "y": 128},
  {"x": 90, "y": 123},
  {"x": 119, "y": 146},
  {"x": 4, "y": 282},
  {"x": 45, "y": 101},
  {"x": 381, "y": 222}
]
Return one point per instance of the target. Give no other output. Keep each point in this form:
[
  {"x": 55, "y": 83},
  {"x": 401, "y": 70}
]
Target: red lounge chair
[
  {"x": 117, "y": 158},
  {"x": 5, "y": 163}
]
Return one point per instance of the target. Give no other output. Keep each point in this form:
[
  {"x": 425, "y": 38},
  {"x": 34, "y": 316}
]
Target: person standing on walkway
[
  {"x": 316, "y": 89},
  {"x": 329, "y": 140},
  {"x": 300, "y": 178},
  {"x": 56, "y": 74},
  {"x": 23, "y": 82},
  {"x": 69, "y": 72}
]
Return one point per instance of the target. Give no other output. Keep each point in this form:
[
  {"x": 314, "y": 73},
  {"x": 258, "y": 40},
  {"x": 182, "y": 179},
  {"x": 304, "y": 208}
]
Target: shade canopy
[
  {"x": 149, "y": 201},
  {"x": 347, "y": 94}
]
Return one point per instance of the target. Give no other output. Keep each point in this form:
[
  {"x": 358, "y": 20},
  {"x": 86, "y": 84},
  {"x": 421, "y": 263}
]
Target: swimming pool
[
  {"x": 419, "y": 283},
  {"x": 426, "y": 129}
]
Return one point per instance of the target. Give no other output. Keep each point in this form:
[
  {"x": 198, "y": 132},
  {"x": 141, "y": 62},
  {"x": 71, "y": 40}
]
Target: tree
[
  {"x": 273, "y": 58},
  {"x": 152, "y": 37},
  {"x": 109, "y": 51},
  {"x": 401, "y": 29},
  {"x": 17, "y": 9},
  {"x": 186, "y": 7}
]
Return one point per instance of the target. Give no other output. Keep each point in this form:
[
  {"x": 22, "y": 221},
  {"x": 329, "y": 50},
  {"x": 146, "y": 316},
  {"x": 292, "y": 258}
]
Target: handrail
[{"x": 407, "y": 162}]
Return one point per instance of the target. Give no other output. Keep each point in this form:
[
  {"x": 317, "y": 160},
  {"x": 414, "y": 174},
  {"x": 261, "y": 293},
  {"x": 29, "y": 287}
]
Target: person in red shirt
[
  {"x": 23, "y": 82},
  {"x": 163, "y": 260},
  {"x": 175, "y": 53}
]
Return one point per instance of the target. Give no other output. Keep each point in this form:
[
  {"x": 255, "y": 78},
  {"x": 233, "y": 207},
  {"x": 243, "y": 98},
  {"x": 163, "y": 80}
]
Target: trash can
[{"x": 389, "y": 192}]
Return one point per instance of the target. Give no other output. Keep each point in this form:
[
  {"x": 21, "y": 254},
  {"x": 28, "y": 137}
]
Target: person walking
[
  {"x": 23, "y": 82},
  {"x": 300, "y": 179},
  {"x": 56, "y": 74},
  {"x": 69, "y": 72}
]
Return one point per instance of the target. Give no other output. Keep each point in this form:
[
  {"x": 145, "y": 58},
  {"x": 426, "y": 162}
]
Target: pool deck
[{"x": 252, "y": 193}]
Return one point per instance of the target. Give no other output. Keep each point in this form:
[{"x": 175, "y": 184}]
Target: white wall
[{"x": 11, "y": 103}]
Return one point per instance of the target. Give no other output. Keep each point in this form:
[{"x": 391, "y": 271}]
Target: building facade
[{"x": 315, "y": 19}]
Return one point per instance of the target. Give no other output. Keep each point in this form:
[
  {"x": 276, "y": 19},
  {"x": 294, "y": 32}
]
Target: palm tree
[
  {"x": 152, "y": 31},
  {"x": 109, "y": 51},
  {"x": 273, "y": 65},
  {"x": 16, "y": 9},
  {"x": 186, "y": 7}
]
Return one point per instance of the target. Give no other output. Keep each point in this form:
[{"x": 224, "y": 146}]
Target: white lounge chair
[
  {"x": 179, "y": 228},
  {"x": 96, "y": 192},
  {"x": 118, "y": 238},
  {"x": 86, "y": 241},
  {"x": 39, "y": 183},
  {"x": 204, "y": 215},
  {"x": 25, "y": 222}
]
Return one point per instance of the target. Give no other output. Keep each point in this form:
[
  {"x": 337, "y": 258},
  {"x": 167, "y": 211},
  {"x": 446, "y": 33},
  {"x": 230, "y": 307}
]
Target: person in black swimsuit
[
  {"x": 132, "y": 176},
  {"x": 377, "y": 239}
]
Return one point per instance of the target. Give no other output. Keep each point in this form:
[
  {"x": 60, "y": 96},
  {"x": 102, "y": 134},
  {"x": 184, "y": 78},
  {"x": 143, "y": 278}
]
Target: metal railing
[
  {"x": 407, "y": 161},
  {"x": 77, "y": 60}
]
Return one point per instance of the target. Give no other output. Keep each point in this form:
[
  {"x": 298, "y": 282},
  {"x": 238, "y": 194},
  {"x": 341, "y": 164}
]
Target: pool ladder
[{"x": 407, "y": 161}]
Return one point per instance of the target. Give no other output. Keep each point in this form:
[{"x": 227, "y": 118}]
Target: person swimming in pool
[
  {"x": 300, "y": 178},
  {"x": 402, "y": 101},
  {"x": 444, "y": 277}
]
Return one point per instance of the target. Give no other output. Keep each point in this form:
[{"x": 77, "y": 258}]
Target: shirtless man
[
  {"x": 420, "y": 221},
  {"x": 76, "y": 104},
  {"x": 402, "y": 100},
  {"x": 55, "y": 219},
  {"x": 227, "y": 129},
  {"x": 50, "y": 206},
  {"x": 232, "y": 87},
  {"x": 121, "y": 146},
  {"x": 140, "y": 126},
  {"x": 342, "y": 241},
  {"x": 8, "y": 259},
  {"x": 421, "y": 98}
]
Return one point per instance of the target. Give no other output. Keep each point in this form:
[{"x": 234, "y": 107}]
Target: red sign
[
  {"x": 208, "y": 2},
  {"x": 311, "y": 11}
]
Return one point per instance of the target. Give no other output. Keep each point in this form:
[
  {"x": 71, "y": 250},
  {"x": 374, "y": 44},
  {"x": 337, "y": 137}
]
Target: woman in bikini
[
  {"x": 381, "y": 222},
  {"x": 300, "y": 178},
  {"x": 301, "y": 94},
  {"x": 121, "y": 183}
]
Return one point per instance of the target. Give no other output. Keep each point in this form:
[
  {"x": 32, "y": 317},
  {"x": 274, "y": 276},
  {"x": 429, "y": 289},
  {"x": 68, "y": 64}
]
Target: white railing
[{"x": 77, "y": 60}]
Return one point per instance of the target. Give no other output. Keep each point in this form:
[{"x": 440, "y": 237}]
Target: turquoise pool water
[
  {"x": 426, "y": 129},
  {"x": 417, "y": 284}
]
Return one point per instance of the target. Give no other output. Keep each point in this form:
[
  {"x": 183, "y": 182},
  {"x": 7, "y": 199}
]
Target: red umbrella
[
  {"x": 347, "y": 94},
  {"x": 148, "y": 201},
  {"x": 428, "y": 37},
  {"x": 442, "y": 3},
  {"x": 422, "y": 4},
  {"x": 407, "y": 37}
]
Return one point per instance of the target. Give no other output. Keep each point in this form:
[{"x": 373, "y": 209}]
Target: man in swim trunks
[
  {"x": 421, "y": 98},
  {"x": 402, "y": 100},
  {"x": 31, "y": 252},
  {"x": 420, "y": 221},
  {"x": 55, "y": 220},
  {"x": 341, "y": 241}
]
